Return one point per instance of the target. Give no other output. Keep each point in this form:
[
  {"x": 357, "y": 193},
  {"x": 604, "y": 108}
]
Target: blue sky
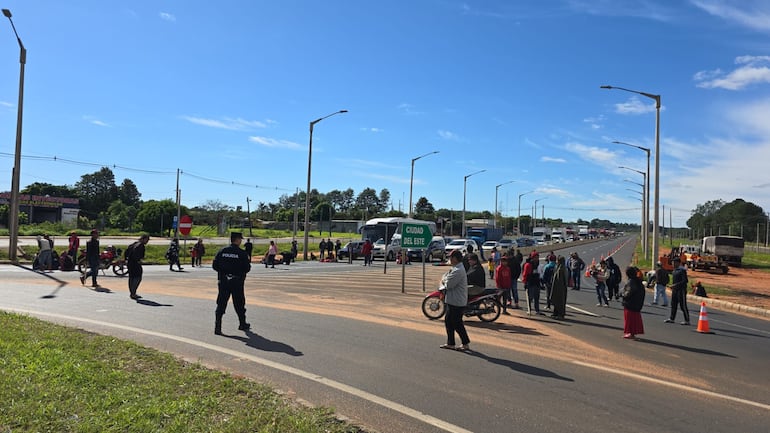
[{"x": 226, "y": 91}]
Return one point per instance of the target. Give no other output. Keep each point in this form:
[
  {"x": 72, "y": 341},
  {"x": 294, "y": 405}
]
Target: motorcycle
[
  {"x": 485, "y": 305},
  {"x": 109, "y": 258}
]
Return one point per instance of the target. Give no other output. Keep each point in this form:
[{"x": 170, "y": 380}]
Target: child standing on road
[
  {"x": 503, "y": 281},
  {"x": 491, "y": 266}
]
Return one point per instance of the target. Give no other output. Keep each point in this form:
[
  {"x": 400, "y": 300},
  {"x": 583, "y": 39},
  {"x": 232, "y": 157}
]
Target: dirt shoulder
[{"x": 745, "y": 286}]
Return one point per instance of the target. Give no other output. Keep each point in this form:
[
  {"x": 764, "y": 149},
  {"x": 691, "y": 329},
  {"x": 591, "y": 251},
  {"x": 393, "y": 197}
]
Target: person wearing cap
[
  {"x": 231, "y": 264},
  {"x": 456, "y": 284},
  {"x": 92, "y": 257},
  {"x": 134, "y": 256}
]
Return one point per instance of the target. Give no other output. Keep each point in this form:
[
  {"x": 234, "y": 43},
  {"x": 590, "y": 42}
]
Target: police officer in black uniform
[{"x": 232, "y": 265}]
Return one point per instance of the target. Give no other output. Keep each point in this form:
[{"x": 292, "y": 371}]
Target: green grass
[{"x": 58, "y": 379}]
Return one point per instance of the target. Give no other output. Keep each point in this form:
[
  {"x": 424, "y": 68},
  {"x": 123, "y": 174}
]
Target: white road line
[
  {"x": 417, "y": 415},
  {"x": 739, "y": 326},
  {"x": 582, "y": 311},
  {"x": 687, "y": 388}
]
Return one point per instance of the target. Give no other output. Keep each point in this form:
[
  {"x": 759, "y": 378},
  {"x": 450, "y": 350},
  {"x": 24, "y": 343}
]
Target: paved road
[{"x": 345, "y": 336}]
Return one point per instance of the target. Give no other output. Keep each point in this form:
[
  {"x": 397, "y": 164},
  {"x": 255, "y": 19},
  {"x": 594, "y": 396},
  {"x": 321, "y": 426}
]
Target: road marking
[
  {"x": 740, "y": 326},
  {"x": 674, "y": 385},
  {"x": 582, "y": 311},
  {"x": 388, "y": 404}
]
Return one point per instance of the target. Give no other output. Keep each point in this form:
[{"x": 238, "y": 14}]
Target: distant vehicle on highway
[
  {"x": 505, "y": 244},
  {"x": 487, "y": 247},
  {"x": 460, "y": 244},
  {"x": 525, "y": 242}
]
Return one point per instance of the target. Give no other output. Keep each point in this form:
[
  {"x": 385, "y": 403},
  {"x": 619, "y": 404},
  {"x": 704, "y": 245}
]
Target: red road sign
[{"x": 185, "y": 224}]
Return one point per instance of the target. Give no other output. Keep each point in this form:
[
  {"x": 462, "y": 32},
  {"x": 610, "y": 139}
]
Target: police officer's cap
[{"x": 235, "y": 235}]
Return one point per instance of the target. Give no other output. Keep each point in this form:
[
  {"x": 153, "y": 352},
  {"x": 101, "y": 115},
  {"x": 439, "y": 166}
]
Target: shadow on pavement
[
  {"x": 258, "y": 342},
  {"x": 47, "y": 275},
  {"x": 685, "y": 348},
  {"x": 598, "y": 325},
  {"x": 150, "y": 303},
  {"x": 504, "y": 327},
  {"x": 516, "y": 366}
]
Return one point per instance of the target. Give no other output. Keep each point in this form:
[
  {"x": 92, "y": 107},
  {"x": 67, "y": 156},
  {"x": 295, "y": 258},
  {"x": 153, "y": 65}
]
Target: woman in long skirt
[{"x": 633, "y": 300}]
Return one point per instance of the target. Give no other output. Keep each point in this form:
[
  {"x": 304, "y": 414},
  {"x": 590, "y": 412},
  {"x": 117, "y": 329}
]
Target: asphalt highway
[{"x": 345, "y": 336}]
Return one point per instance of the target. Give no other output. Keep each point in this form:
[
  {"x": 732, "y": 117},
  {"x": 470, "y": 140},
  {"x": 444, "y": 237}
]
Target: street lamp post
[
  {"x": 13, "y": 212},
  {"x": 656, "y": 215},
  {"x": 534, "y": 210},
  {"x": 496, "y": 188},
  {"x": 646, "y": 204},
  {"x": 645, "y": 217},
  {"x": 465, "y": 181},
  {"x": 518, "y": 219},
  {"x": 307, "y": 191},
  {"x": 411, "y": 179}
]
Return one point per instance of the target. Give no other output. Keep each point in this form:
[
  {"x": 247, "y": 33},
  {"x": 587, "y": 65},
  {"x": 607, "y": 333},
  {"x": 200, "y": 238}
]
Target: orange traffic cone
[
  {"x": 593, "y": 266},
  {"x": 703, "y": 320}
]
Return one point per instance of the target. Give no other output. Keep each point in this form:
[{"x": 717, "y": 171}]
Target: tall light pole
[
  {"x": 307, "y": 191},
  {"x": 534, "y": 213},
  {"x": 646, "y": 204},
  {"x": 518, "y": 219},
  {"x": 656, "y": 215},
  {"x": 642, "y": 232},
  {"x": 496, "y": 188},
  {"x": 13, "y": 212},
  {"x": 465, "y": 182},
  {"x": 645, "y": 216},
  {"x": 411, "y": 179}
]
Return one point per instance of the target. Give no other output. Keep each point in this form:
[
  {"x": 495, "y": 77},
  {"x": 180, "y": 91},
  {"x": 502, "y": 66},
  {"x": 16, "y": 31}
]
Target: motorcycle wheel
[
  {"x": 82, "y": 266},
  {"x": 120, "y": 269},
  {"x": 491, "y": 310},
  {"x": 433, "y": 307}
]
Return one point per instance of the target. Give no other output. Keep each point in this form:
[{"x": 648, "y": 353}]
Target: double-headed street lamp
[
  {"x": 518, "y": 219},
  {"x": 307, "y": 191},
  {"x": 411, "y": 179},
  {"x": 496, "y": 188},
  {"x": 13, "y": 212},
  {"x": 656, "y": 216},
  {"x": 645, "y": 211},
  {"x": 646, "y": 204},
  {"x": 465, "y": 181}
]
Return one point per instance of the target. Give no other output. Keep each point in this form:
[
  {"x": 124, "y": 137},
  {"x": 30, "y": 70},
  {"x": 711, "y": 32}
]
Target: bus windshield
[{"x": 385, "y": 228}]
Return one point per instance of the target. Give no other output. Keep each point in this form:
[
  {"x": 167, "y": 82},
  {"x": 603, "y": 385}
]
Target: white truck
[
  {"x": 541, "y": 234},
  {"x": 583, "y": 232},
  {"x": 557, "y": 235}
]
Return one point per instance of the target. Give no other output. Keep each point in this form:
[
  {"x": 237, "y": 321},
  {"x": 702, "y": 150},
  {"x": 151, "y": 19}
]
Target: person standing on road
[
  {"x": 531, "y": 279},
  {"x": 92, "y": 258},
  {"x": 600, "y": 274},
  {"x": 679, "y": 293},
  {"x": 322, "y": 249},
  {"x": 44, "y": 255},
  {"x": 502, "y": 276},
  {"x": 231, "y": 264},
  {"x": 366, "y": 251},
  {"x": 74, "y": 245},
  {"x": 200, "y": 250},
  {"x": 548, "y": 271},
  {"x": 134, "y": 257},
  {"x": 559, "y": 289},
  {"x": 249, "y": 247},
  {"x": 661, "y": 281},
  {"x": 613, "y": 281},
  {"x": 576, "y": 266},
  {"x": 172, "y": 255},
  {"x": 633, "y": 300},
  {"x": 455, "y": 282},
  {"x": 515, "y": 265},
  {"x": 295, "y": 250},
  {"x": 337, "y": 246},
  {"x": 272, "y": 250}
]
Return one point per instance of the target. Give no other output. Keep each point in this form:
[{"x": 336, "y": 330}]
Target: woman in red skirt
[{"x": 633, "y": 300}]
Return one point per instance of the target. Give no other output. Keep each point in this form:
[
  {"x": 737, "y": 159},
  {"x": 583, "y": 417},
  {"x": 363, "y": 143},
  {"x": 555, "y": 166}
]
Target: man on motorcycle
[
  {"x": 476, "y": 275},
  {"x": 456, "y": 299}
]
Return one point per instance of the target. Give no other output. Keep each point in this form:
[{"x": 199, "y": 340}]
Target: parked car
[
  {"x": 379, "y": 249},
  {"x": 354, "y": 247},
  {"x": 525, "y": 242},
  {"x": 435, "y": 250},
  {"x": 460, "y": 244},
  {"x": 505, "y": 244},
  {"x": 487, "y": 247}
]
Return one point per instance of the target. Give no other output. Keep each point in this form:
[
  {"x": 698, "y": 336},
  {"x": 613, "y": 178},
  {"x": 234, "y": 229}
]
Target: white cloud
[
  {"x": 634, "y": 105},
  {"x": 272, "y": 142},
  {"x": 549, "y": 159},
  {"x": 754, "y": 14},
  {"x": 227, "y": 123},
  {"x": 167, "y": 16},
  {"x": 385, "y": 177},
  {"x": 372, "y": 129},
  {"x": 591, "y": 153},
  {"x": 752, "y": 69},
  {"x": 595, "y": 122},
  {"x": 448, "y": 135},
  {"x": 641, "y": 9},
  {"x": 94, "y": 121},
  {"x": 6, "y": 104},
  {"x": 548, "y": 190},
  {"x": 407, "y": 108}
]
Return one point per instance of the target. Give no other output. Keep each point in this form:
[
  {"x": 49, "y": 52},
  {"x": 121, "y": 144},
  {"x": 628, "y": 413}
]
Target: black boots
[
  {"x": 218, "y": 324},
  {"x": 244, "y": 326}
]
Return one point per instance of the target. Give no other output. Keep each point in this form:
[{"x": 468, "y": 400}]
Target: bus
[{"x": 385, "y": 228}]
